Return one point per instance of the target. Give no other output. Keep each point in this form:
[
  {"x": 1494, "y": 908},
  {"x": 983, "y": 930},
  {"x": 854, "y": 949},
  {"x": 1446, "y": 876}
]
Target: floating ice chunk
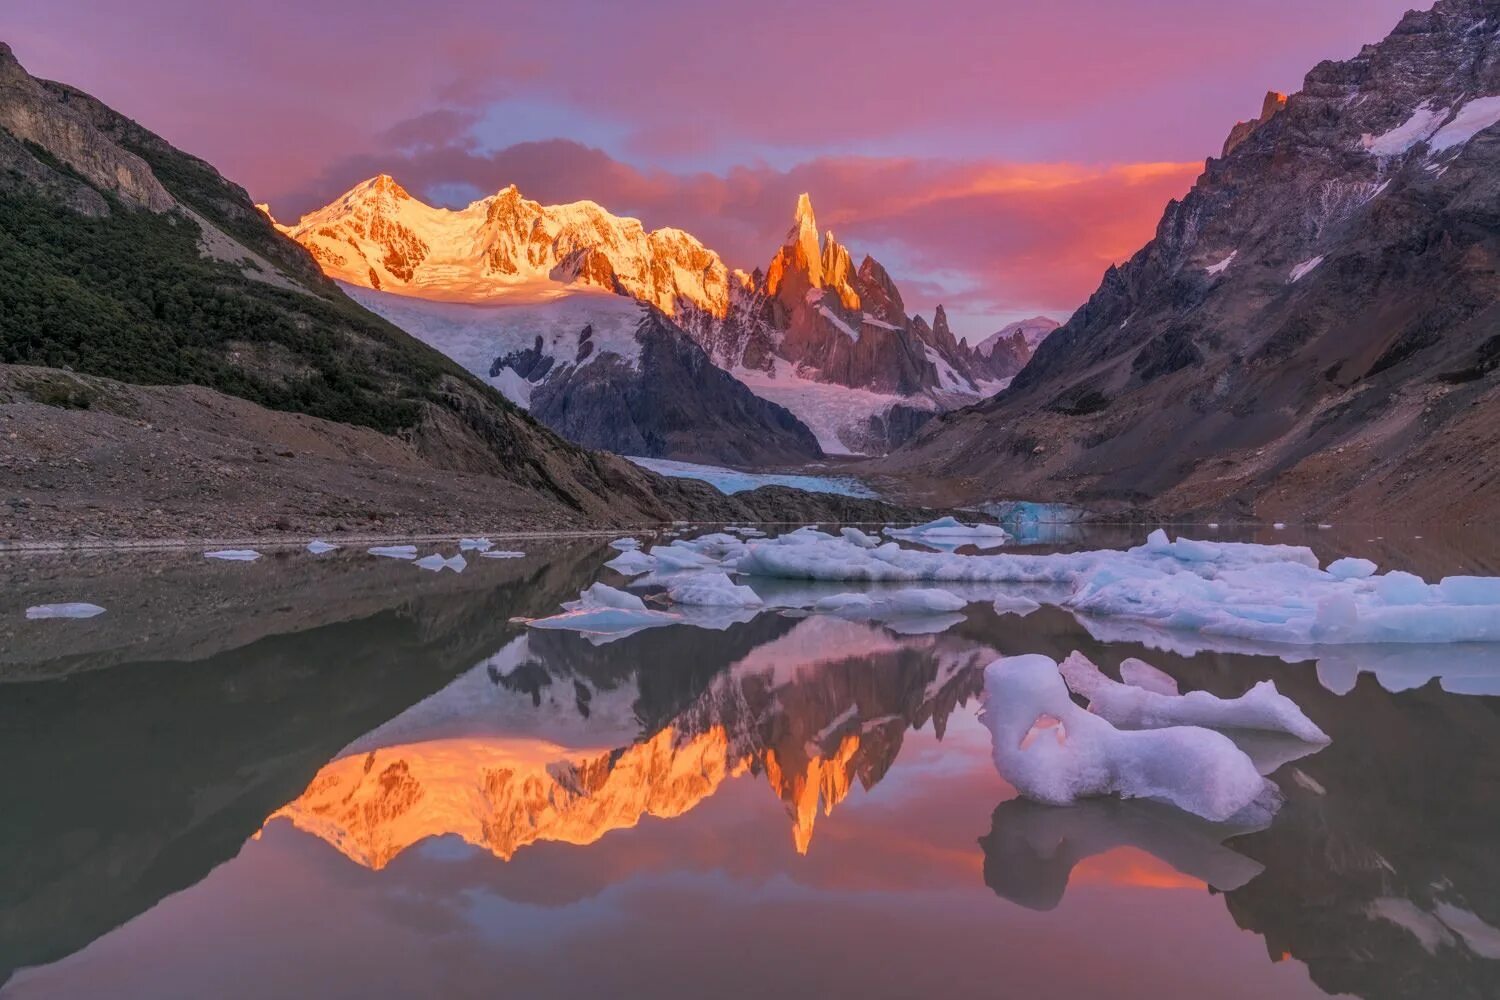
[
  {"x": 748, "y": 532},
  {"x": 625, "y": 543},
  {"x": 678, "y": 556},
  {"x": 317, "y": 546},
  {"x": 1467, "y": 591},
  {"x": 950, "y": 528},
  {"x": 601, "y": 595},
  {"x": 1130, "y": 707},
  {"x": 480, "y": 544},
  {"x": 501, "y": 554},
  {"x": 436, "y": 563},
  {"x": 394, "y": 551},
  {"x": 1140, "y": 674},
  {"x": 1402, "y": 588},
  {"x": 909, "y": 603},
  {"x": 713, "y": 590},
  {"x": 715, "y": 547},
  {"x": 1015, "y": 604},
  {"x": 1279, "y": 525},
  {"x": 77, "y": 609},
  {"x": 857, "y": 537},
  {"x": 1351, "y": 569},
  {"x": 1054, "y": 752},
  {"x": 233, "y": 555},
  {"x": 632, "y": 562}
]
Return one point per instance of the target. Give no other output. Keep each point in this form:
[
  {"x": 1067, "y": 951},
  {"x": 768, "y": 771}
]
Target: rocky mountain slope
[
  {"x": 1314, "y": 330},
  {"x": 811, "y": 333},
  {"x": 127, "y": 262}
]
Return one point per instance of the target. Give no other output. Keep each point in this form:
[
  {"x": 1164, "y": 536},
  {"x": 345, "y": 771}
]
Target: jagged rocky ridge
[
  {"x": 808, "y": 320},
  {"x": 1314, "y": 330}
]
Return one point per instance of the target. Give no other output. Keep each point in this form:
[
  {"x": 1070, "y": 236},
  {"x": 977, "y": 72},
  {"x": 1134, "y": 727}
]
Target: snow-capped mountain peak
[{"x": 379, "y": 236}]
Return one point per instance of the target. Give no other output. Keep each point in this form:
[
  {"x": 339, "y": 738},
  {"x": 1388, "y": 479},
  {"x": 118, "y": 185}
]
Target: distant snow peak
[{"x": 378, "y": 236}]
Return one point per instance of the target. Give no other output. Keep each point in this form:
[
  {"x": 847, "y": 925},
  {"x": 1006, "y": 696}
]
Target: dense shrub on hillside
[{"x": 129, "y": 296}]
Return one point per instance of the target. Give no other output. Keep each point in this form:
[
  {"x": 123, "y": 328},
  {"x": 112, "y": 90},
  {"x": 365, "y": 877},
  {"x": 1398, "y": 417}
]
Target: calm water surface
[{"x": 346, "y": 777}]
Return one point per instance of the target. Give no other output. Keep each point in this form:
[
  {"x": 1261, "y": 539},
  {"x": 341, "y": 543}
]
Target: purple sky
[{"x": 996, "y": 156}]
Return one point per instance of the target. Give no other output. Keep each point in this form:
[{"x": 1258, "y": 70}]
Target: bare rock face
[
  {"x": 1273, "y": 103},
  {"x": 41, "y": 113},
  {"x": 1312, "y": 331}
]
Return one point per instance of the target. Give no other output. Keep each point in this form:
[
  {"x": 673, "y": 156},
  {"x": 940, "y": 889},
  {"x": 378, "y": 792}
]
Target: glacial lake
[{"x": 340, "y": 776}]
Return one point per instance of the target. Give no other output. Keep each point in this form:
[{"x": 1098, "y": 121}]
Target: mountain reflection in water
[{"x": 506, "y": 798}]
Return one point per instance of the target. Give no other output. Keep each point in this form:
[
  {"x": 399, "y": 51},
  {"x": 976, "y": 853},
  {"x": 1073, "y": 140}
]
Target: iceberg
[
  {"x": 632, "y": 563},
  {"x": 233, "y": 555},
  {"x": 950, "y": 528},
  {"x": 1232, "y": 591},
  {"x": 1139, "y": 673},
  {"x": 1014, "y": 604},
  {"x": 713, "y": 590},
  {"x": 436, "y": 563},
  {"x": 884, "y": 605},
  {"x": 317, "y": 547},
  {"x": 394, "y": 551},
  {"x": 1056, "y": 753},
  {"x": 602, "y": 610},
  {"x": 678, "y": 556},
  {"x": 77, "y": 609},
  {"x": 1132, "y": 707}
]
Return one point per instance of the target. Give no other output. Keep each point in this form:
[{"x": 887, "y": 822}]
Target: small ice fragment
[
  {"x": 317, "y": 546},
  {"x": 1014, "y": 604},
  {"x": 76, "y": 609},
  {"x": 436, "y": 563},
  {"x": 713, "y": 590},
  {"x": 861, "y": 539},
  {"x": 1402, "y": 588},
  {"x": 622, "y": 544},
  {"x": 1140, "y": 674},
  {"x": 1127, "y": 707},
  {"x": 394, "y": 551},
  {"x": 632, "y": 563},
  {"x": 1197, "y": 770},
  {"x": 1279, "y": 526},
  {"x": 1351, "y": 569},
  {"x": 1324, "y": 527},
  {"x": 601, "y": 595},
  {"x": 233, "y": 555},
  {"x": 501, "y": 554},
  {"x": 480, "y": 544}
]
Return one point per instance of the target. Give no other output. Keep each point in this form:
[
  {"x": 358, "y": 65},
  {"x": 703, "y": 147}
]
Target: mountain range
[
  {"x": 171, "y": 364},
  {"x": 1314, "y": 329},
  {"x": 810, "y": 334}
]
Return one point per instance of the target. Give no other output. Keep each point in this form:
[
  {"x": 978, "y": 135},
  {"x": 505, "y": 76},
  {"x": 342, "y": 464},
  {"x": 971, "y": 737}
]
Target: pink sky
[{"x": 996, "y": 156}]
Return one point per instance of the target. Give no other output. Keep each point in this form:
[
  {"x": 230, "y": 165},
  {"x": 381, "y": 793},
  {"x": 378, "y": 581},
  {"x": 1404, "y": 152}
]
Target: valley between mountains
[{"x": 1312, "y": 333}]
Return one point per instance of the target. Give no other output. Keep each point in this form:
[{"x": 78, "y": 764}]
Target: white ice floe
[
  {"x": 393, "y": 551},
  {"x": 233, "y": 555},
  {"x": 1015, "y": 604},
  {"x": 607, "y": 612},
  {"x": 622, "y": 544},
  {"x": 1266, "y": 594},
  {"x": 1351, "y": 569},
  {"x": 501, "y": 554},
  {"x": 480, "y": 544},
  {"x": 317, "y": 546},
  {"x": 950, "y": 528},
  {"x": 75, "y": 609},
  {"x": 713, "y": 590},
  {"x": 632, "y": 562},
  {"x": 890, "y": 605},
  {"x": 679, "y": 556},
  {"x": 860, "y": 538},
  {"x": 1131, "y": 707},
  {"x": 1056, "y": 753},
  {"x": 437, "y": 562}
]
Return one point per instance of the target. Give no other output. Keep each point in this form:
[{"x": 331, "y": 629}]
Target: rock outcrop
[{"x": 1312, "y": 331}]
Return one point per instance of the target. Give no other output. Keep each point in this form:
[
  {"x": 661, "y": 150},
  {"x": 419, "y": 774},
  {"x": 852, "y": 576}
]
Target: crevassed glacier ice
[
  {"x": 1128, "y": 707},
  {"x": 72, "y": 609},
  {"x": 1054, "y": 752}
]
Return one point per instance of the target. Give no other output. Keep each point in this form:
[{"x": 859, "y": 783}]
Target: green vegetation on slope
[{"x": 129, "y": 296}]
